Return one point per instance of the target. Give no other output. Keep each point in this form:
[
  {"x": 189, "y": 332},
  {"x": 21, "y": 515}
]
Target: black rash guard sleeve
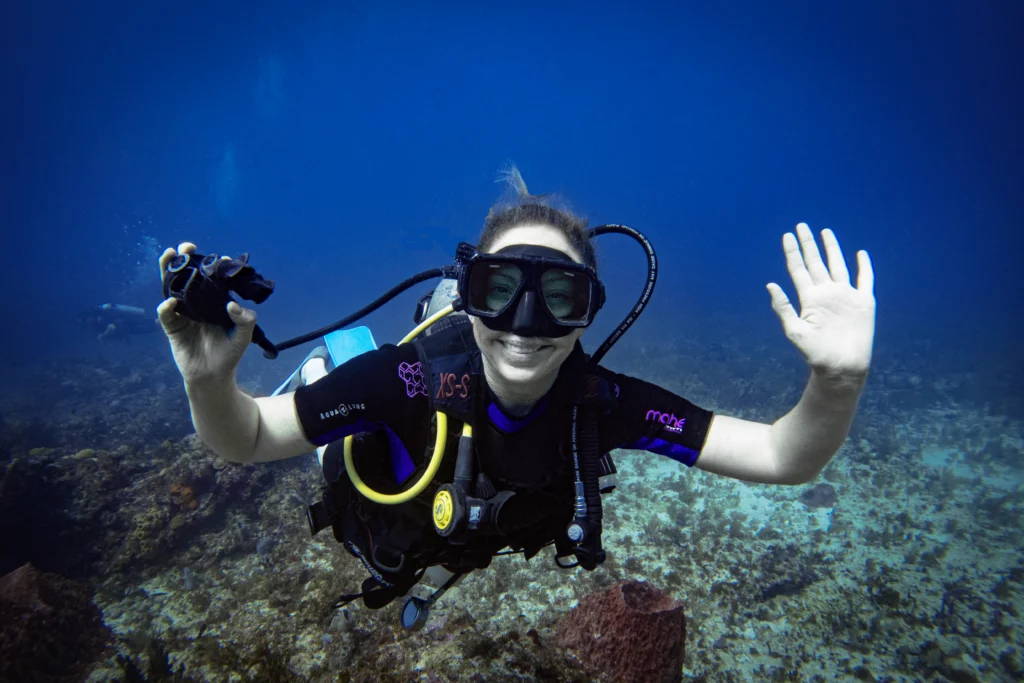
[
  {"x": 381, "y": 389},
  {"x": 654, "y": 419}
]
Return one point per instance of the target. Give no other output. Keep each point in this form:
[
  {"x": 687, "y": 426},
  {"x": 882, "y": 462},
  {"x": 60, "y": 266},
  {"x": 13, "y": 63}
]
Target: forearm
[
  {"x": 226, "y": 419},
  {"x": 805, "y": 439}
]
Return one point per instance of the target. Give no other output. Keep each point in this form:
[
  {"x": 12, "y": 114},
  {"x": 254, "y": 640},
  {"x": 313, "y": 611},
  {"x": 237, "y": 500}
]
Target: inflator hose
[
  {"x": 366, "y": 310},
  {"x": 590, "y": 444},
  {"x": 439, "y": 444}
]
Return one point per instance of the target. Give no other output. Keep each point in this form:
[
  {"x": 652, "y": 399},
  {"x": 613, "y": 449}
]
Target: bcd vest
[{"x": 396, "y": 543}]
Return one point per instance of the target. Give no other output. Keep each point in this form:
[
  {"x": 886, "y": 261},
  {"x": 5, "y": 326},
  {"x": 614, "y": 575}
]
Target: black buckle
[
  {"x": 464, "y": 253},
  {"x": 319, "y": 517},
  {"x": 589, "y": 558},
  {"x": 394, "y": 568},
  {"x": 422, "y": 306}
]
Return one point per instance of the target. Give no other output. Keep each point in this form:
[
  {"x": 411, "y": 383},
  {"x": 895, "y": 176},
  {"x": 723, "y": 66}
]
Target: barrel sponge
[{"x": 631, "y": 632}]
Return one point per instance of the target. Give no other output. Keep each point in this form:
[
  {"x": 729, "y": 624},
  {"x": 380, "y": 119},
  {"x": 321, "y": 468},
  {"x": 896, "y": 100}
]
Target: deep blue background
[{"x": 348, "y": 145}]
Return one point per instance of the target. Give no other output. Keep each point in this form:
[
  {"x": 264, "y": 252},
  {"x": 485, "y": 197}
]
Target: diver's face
[{"x": 526, "y": 359}]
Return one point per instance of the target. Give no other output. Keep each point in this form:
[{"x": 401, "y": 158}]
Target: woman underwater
[{"x": 515, "y": 373}]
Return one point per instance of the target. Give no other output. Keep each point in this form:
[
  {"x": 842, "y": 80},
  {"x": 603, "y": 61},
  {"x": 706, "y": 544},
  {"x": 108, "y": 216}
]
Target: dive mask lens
[
  {"x": 567, "y": 294},
  {"x": 493, "y": 286}
]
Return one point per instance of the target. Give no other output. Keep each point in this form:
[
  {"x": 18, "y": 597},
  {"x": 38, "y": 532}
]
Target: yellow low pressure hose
[{"x": 439, "y": 443}]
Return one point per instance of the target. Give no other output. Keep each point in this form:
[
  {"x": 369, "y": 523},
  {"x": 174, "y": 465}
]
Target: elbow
[
  {"x": 239, "y": 456},
  {"x": 232, "y": 455},
  {"x": 791, "y": 472}
]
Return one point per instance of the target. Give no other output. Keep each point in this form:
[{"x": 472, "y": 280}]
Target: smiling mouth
[{"x": 522, "y": 348}]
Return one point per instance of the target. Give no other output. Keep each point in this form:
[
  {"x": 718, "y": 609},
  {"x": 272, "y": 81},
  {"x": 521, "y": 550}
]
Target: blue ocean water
[{"x": 348, "y": 145}]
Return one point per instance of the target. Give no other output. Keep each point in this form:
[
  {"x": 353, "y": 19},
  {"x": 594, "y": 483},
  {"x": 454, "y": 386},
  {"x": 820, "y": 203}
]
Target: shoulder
[
  {"x": 383, "y": 359},
  {"x": 388, "y": 370},
  {"x": 386, "y": 386},
  {"x": 646, "y": 401},
  {"x": 620, "y": 385},
  {"x": 649, "y": 417}
]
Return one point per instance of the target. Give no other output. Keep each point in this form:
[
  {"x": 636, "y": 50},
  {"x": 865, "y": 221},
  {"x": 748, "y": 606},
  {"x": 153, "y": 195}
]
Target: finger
[
  {"x": 836, "y": 260},
  {"x": 165, "y": 259},
  {"x": 795, "y": 263},
  {"x": 783, "y": 308},
  {"x": 186, "y": 248},
  {"x": 169, "y": 320},
  {"x": 812, "y": 257},
  {"x": 245, "y": 321},
  {"x": 865, "y": 273}
]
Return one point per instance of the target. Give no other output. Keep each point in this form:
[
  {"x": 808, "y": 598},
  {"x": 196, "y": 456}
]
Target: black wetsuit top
[{"x": 385, "y": 390}]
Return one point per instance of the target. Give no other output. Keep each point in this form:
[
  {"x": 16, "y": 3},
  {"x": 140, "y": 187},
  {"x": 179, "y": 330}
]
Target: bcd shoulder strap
[{"x": 454, "y": 377}]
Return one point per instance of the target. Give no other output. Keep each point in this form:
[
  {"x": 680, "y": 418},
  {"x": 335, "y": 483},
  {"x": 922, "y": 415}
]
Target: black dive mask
[{"x": 529, "y": 290}]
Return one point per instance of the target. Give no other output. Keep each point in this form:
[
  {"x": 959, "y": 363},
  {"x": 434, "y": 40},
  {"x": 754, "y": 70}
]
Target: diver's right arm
[
  {"x": 240, "y": 428},
  {"x": 236, "y": 426}
]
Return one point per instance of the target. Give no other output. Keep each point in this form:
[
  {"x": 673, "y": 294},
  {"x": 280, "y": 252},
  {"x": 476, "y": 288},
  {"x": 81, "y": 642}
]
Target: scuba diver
[
  {"x": 507, "y": 386},
  {"x": 118, "y": 321}
]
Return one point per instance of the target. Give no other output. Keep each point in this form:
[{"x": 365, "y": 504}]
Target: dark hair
[{"x": 518, "y": 207}]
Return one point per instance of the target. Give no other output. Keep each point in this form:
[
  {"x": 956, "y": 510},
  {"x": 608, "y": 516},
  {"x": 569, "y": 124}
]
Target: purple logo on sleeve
[
  {"x": 671, "y": 422},
  {"x": 412, "y": 375}
]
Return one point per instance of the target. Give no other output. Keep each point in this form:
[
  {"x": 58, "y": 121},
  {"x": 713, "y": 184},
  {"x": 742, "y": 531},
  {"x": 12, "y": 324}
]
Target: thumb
[
  {"x": 783, "y": 308},
  {"x": 245, "y": 321},
  {"x": 171, "y": 321}
]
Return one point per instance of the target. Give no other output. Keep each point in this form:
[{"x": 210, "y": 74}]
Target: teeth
[{"x": 521, "y": 348}]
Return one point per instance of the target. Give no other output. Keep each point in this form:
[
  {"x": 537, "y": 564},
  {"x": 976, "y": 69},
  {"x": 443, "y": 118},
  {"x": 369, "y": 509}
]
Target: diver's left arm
[{"x": 835, "y": 332}]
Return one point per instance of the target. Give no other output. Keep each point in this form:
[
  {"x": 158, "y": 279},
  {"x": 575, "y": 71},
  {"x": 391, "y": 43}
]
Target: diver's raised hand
[
  {"x": 204, "y": 353},
  {"x": 835, "y": 328}
]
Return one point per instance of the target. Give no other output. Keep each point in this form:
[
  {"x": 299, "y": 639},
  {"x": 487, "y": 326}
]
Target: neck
[{"x": 517, "y": 399}]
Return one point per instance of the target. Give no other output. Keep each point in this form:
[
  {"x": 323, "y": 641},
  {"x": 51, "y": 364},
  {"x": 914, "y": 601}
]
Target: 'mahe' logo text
[{"x": 668, "y": 419}]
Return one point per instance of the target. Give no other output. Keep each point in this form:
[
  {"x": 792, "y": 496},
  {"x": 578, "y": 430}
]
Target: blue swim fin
[
  {"x": 342, "y": 346},
  {"x": 294, "y": 380}
]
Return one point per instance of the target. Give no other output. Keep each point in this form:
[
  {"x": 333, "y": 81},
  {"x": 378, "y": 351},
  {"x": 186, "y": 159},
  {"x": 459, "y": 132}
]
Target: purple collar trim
[{"x": 511, "y": 424}]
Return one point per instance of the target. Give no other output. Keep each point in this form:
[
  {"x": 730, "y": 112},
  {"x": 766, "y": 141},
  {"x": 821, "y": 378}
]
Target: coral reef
[
  {"x": 632, "y": 632},
  {"x": 47, "y": 517},
  {"x": 50, "y": 630},
  {"x": 205, "y": 571},
  {"x": 820, "y": 496}
]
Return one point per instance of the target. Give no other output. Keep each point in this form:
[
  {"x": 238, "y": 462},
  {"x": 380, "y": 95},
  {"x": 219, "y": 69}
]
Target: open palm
[{"x": 835, "y": 328}]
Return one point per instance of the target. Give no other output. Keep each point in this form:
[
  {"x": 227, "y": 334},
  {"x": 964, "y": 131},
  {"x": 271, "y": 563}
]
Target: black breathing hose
[
  {"x": 652, "y": 278},
  {"x": 447, "y": 271}
]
